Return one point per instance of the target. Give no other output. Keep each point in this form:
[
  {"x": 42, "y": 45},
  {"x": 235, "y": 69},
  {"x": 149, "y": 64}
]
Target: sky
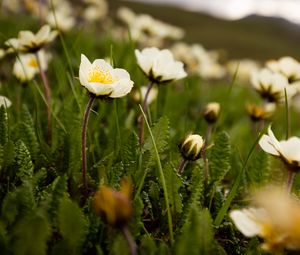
[{"x": 236, "y": 9}]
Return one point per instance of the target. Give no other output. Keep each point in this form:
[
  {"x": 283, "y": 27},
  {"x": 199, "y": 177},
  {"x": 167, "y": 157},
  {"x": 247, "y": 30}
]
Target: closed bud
[
  {"x": 191, "y": 147},
  {"x": 211, "y": 112},
  {"x": 258, "y": 113},
  {"x": 113, "y": 206}
]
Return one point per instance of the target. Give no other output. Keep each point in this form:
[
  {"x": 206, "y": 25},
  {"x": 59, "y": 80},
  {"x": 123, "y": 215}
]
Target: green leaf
[
  {"x": 194, "y": 190},
  {"x": 31, "y": 235},
  {"x": 72, "y": 223},
  {"x": 197, "y": 236},
  {"x": 173, "y": 183},
  {"x": 259, "y": 170},
  {"x": 219, "y": 158},
  {"x": 161, "y": 134},
  {"x": 23, "y": 161},
  {"x": 3, "y": 126},
  {"x": 27, "y": 132}
]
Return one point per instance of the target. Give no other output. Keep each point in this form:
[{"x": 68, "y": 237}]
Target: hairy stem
[
  {"x": 182, "y": 166},
  {"x": 83, "y": 138},
  {"x": 290, "y": 180},
  {"x": 141, "y": 119},
  {"x": 131, "y": 243},
  {"x": 47, "y": 96},
  {"x": 204, "y": 157}
]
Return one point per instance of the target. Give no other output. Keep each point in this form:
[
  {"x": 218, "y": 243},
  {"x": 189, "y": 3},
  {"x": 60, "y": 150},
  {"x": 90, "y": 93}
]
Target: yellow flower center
[
  {"x": 33, "y": 63},
  {"x": 100, "y": 76}
]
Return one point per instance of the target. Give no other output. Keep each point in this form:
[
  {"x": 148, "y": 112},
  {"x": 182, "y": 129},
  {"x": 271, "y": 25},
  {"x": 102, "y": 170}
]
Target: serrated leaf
[
  {"x": 27, "y": 132},
  {"x": 161, "y": 133},
  {"x": 173, "y": 183},
  {"x": 197, "y": 235},
  {"x": 23, "y": 162},
  {"x": 3, "y": 126},
  {"x": 31, "y": 235},
  {"x": 219, "y": 158},
  {"x": 259, "y": 170},
  {"x": 72, "y": 223}
]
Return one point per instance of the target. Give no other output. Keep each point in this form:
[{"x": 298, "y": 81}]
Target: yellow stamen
[
  {"x": 33, "y": 62},
  {"x": 100, "y": 76}
]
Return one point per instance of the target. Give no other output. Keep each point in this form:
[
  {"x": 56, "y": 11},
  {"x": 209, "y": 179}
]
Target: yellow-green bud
[
  {"x": 211, "y": 112},
  {"x": 191, "y": 147}
]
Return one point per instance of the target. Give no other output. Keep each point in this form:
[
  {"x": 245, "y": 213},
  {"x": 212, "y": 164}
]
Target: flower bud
[
  {"x": 114, "y": 206},
  {"x": 211, "y": 112},
  {"x": 258, "y": 113},
  {"x": 191, "y": 147}
]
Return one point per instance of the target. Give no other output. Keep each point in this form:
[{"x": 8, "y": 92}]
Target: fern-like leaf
[
  {"x": 3, "y": 126},
  {"x": 219, "y": 158},
  {"x": 72, "y": 224},
  {"x": 23, "y": 162}
]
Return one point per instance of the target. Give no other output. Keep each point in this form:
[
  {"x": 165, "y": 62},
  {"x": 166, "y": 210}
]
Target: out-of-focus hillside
[{"x": 255, "y": 36}]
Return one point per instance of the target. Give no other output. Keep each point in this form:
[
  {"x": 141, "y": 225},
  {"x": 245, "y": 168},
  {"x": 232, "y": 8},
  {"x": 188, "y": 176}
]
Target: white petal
[
  {"x": 121, "y": 88},
  {"x": 245, "y": 221},
  {"x": 291, "y": 148},
  {"x": 5, "y": 101},
  {"x": 84, "y": 69},
  {"x": 99, "y": 89},
  {"x": 267, "y": 145}
]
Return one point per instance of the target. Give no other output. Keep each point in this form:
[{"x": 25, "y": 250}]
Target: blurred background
[{"x": 260, "y": 29}]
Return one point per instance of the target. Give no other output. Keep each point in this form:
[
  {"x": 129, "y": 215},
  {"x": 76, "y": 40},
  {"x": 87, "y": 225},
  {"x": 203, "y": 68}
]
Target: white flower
[
  {"x": 100, "y": 79},
  {"x": 5, "y": 101},
  {"x": 26, "y": 65},
  {"x": 140, "y": 95},
  {"x": 244, "y": 68},
  {"x": 96, "y": 10},
  {"x": 287, "y": 150},
  {"x": 287, "y": 66},
  {"x": 275, "y": 218},
  {"x": 61, "y": 18},
  {"x": 271, "y": 85},
  {"x": 159, "y": 65},
  {"x": 29, "y": 42}
]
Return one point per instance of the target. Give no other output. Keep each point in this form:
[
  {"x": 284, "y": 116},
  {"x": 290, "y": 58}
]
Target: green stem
[
  {"x": 83, "y": 139},
  {"x": 162, "y": 178}
]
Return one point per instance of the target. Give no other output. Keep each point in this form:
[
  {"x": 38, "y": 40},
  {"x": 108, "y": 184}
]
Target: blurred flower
[
  {"x": 191, "y": 147},
  {"x": 114, "y": 206},
  {"x": 26, "y": 65},
  {"x": 149, "y": 31},
  {"x": 126, "y": 15},
  {"x": 101, "y": 79},
  {"x": 287, "y": 150},
  {"x": 2, "y": 53},
  {"x": 95, "y": 10},
  {"x": 5, "y": 101},
  {"x": 211, "y": 112},
  {"x": 244, "y": 67},
  {"x": 61, "y": 17},
  {"x": 159, "y": 65},
  {"x": 139, "y": 96},
  {"x": 258, "y": 113},
  {"x": 275, "y": 218},
  {"x": 287, "y": 66},
  {"x": 199, "y": 61},
  {"x": 271, "y": 86},
  {"x": 29, "y": 42}
]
